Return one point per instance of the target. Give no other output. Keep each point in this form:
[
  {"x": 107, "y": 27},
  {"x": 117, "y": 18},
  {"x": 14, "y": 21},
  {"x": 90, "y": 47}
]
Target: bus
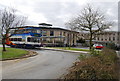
[{"x": 29, "y": 37}]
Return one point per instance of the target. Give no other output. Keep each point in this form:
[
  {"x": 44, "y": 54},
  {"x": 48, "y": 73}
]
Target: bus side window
[
  {"x": 38, "y": 40},
  {"x": 15, "y": 39},
  {"x": 29, "y": 39},
  {"x": 11, "y": 39},
  {"x": 35, "y": 40},
  {"x": 19, "y": 39}
]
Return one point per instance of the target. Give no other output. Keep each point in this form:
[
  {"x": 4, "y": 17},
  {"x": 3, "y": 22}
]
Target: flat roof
[{"x": 46, "y": 27}]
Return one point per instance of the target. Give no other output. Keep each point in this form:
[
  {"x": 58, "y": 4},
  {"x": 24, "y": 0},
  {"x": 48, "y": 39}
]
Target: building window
[
  {"x": 102, "y": 39},
  {"x": 109, "y": 39},
  {"x": 61, "y": 33},
  {"x": 41, "y": 32},
  {"x": 38, "y": 31},
  {"x": 34, "y": 31},
  {"x": 98, "y": 38},
  {"x": 64, "y": 33},
  {"x": 113, "y": 38},
  {"x": 44, "y": 33},
  {"x": 51, "y": 33}
]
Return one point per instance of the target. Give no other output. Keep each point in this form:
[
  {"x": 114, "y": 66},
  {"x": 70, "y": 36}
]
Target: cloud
[
  {"x": 110, "y": 9},
  {"x": 58, "y": 12}
]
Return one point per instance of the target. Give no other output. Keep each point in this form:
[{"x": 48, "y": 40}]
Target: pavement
[
  {"x": 71, "y": 51},
  {"x": 48, "y": 64}
]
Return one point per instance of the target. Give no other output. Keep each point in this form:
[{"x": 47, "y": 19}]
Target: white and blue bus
[{"x": 29, "y": 37}]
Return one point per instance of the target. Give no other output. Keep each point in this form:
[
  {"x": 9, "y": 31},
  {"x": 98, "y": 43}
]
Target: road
[{"x": 47, "y": 64}]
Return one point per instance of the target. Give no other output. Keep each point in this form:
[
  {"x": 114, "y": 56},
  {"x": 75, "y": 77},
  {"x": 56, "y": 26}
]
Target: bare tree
[
  {"x": 71, "y": 24},
  {"x": 90, "y": 20},
  {"x": 8, "y": 20}
]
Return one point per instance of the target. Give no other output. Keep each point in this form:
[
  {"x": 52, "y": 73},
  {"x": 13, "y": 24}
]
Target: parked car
[{"x": 98, "y": 46}]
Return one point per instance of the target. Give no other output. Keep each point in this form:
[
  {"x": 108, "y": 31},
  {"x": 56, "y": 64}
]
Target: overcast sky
[{"x": 57, "y": 12}]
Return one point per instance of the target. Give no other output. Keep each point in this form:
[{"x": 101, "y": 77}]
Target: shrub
[
  {"x": 101, "y": 65},
  {"x": 94, "y": 52},
  {"x": 92, "y": 68},
  {"x": 82, "y": 57},
  {"x": 108, "y": 55}
]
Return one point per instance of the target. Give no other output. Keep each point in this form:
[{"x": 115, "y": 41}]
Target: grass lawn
[
  {"x": 12, "y": 53},
  {"x": 67, "y": 48}
]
